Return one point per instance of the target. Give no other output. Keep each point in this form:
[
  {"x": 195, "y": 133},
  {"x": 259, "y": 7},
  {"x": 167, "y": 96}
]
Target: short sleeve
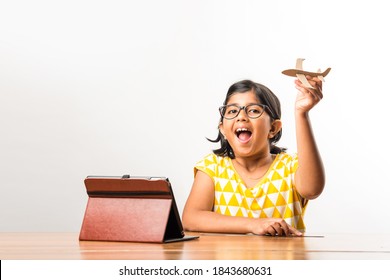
[
  {"x": 208, "y": 165},
  {"x": 294, "y": 167},
  {"x": 294, "y": 163}
]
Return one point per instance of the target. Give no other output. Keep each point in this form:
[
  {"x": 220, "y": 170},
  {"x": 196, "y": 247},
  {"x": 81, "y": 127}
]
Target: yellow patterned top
[{"x": 273, "y": 196}]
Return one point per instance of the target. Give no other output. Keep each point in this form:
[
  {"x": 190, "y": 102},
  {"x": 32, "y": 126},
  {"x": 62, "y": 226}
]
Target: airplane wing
[{"x": 301, "y": 74}]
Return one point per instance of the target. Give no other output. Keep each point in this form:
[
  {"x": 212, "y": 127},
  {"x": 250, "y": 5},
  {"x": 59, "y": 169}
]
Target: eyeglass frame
[{"x": 263, "y": 106}]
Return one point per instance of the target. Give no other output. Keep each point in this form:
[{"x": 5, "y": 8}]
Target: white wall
[{"x": 115, "y": 87}]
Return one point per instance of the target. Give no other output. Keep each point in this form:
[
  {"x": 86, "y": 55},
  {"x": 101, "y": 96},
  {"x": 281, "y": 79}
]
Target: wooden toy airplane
[{"x": 301, "y": 74}]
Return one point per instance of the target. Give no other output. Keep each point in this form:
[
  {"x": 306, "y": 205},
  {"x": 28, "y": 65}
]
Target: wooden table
[{"x": 66, "y": 246}]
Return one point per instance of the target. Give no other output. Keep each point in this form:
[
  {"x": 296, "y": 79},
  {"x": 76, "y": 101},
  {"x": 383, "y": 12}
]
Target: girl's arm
[
  {"x": 310, "y": 176},
  {"x": 198, "y": 214}
]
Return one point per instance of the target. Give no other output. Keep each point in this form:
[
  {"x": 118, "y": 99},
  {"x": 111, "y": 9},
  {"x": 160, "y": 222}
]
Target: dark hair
[{"x": 266, "y": 97}]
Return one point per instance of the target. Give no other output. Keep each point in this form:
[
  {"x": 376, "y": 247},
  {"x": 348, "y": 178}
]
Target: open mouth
[{"x": 243, "y": 134}]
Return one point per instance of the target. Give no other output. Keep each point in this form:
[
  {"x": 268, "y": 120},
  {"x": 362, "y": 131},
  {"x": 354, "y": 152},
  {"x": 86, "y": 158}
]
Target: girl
[{"x": 249, "y": 185}]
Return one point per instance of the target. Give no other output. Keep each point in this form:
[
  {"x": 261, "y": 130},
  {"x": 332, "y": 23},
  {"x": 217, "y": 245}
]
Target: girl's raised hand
[{"x": 307, "y": 98}]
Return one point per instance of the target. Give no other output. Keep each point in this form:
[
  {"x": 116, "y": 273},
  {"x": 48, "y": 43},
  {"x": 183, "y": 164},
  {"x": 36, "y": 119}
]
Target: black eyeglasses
[{"x": 253, "y": 111}]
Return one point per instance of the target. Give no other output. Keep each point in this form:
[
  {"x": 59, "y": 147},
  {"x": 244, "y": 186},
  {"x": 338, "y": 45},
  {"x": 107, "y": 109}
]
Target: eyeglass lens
[{"x": 231, "y": 111}]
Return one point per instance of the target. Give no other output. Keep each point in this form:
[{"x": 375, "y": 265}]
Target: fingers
[
  {"x": 273, "y": 227},
  {"x": 281, "y": 228},
  {"x": 308, "y": 97},
  {"x": 315, "y": 82},
  {"x": 294, "y": 231}
]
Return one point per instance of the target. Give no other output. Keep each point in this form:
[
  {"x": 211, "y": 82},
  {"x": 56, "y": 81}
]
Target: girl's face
[{"x": 248, "y": 137}]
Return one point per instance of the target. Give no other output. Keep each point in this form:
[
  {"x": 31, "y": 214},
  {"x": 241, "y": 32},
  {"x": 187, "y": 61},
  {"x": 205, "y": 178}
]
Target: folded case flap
[{"x": 128, "y": 187}]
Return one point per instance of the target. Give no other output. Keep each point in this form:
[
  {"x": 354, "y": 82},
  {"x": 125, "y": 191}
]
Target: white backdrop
[{"x": 132, "y": 87}]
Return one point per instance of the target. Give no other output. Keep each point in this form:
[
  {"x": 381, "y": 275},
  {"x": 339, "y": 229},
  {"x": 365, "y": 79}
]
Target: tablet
[{"x": 134, "y": 209}]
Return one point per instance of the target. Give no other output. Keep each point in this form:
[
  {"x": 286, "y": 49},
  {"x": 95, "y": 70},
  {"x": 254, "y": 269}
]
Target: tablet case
[{"x": 136, "y": 209}]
